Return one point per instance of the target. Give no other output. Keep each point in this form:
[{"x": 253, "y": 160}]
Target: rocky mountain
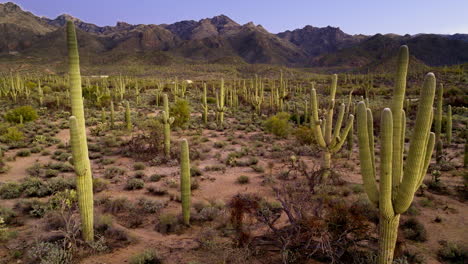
[{"x": 214, "y": 40}]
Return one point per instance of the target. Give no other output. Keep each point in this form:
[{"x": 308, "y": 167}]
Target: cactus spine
[
  {"x": 167, "y": 121},
  {"x": 185, "y": 180},
  {"x": 128, "y": 118},
  {"x": 329, "y": 140},
  {"x": 394, "y": 196},
  {"x": 205, "y": 105},
  {"x": 84, "y": 181}
]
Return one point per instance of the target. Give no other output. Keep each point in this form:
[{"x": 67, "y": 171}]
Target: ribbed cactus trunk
[
  {"x": 128, "y": 117},
  {"x": 84, "y": 181},
  {"x": 112, "y": 115},
  {"x": 397, "y": 183},
  {"x": 220, "y": 104},
  {"x": 185, "y": 183},
  {"x": 438, "y": 123},
  {"x": 205, "y": 105},
  {"x": 449, "y": 125},
  {"x": 167, "y": 121}
]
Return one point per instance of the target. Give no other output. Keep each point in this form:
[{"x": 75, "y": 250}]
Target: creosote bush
[
  {"x": 278, "y": 125},
  {"x": 26, "y": 113}
]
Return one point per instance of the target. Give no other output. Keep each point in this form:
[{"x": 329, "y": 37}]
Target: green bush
[
  {"x": 13, "y": 134},
  {"x": 304, "y": 135},
  {"x": 180, "y": 110},
  {"x": 278, "y": 125},
  {"x": 453, "y": 253},
  {"x": 146, "y": 257},
  {"x": 243, "y": 179},
  {"x": 10, "y": 190},
  {"x": 135, "y": 184},
  {"x": 27, "y": 112}
]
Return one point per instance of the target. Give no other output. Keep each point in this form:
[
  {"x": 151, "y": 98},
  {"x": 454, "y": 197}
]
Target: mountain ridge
[{"x": 219, "y": 38}]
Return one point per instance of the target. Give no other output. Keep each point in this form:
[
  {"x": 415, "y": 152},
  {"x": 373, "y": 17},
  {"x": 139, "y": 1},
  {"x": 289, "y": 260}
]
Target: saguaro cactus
[
  {"x": 394, "y": 195},
  {"x": 329, "y": 140},
  {"x": 449, "y": 125},
  {"x": 220, "y": 103},
  {"x": 438, "y": 123},
  {"x": 128, "y": 117},
  {"x": 185, "y": 180},
  {"x": 167, "y": 121},
  {"x": 112, "y": 115},
  {"x": 84, "y": 181},
  {"x": 205, "y": 105}
]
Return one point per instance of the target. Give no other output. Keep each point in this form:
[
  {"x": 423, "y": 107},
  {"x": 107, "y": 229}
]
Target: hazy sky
[{"x": 352, "y": 16}]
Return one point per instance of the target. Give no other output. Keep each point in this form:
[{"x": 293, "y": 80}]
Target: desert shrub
[
  {"x": 49, "y": 253},
  {"x": 180, "y": 110},
  {"x": 243, "y": 179},
  {"x": 453, "y": 253},
  {"x": 99, "y": 185},
  {"x": 195, "y": 171},
  {"x": 10, "y": 190},
  {"x": 150, "y": 206},
  {"x": 156, "y": 177},
  {"x": 35, "y": 170},
  {"x": 156, "y": 190},
  {"x": 134, "y": 184},
  {"x": 111, "y": 172},
  {"x": 49, "y": 173},
  {"x": 139, "y": 166},
  {"x": 304, "y": 135},
  {"x": 147, "y": 144},
  {"x": 139, "y": 174},
  {"x": 13, "y": 134},
  {"x": 27, "y": 112},
  {"x": 258, "y": 168},
  {"x": 32, "y": 207},
  {"x": 278, "y": 125},
  {"x": 146, "y": 257},
  {"x": 167, "y": 223},
  {"x": 23, "y": 153},
  {"x": 35, "y": 187},
  {"x": 61, "y": 184},
  {"x": 116, "y": 205},
  {"x": 7, "y": 215},
  {"x": 414, "y": 230},
  {"x": 60, "y": 166}
]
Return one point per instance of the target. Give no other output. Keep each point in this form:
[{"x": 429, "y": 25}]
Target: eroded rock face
[{"x": 219, "y": 39}]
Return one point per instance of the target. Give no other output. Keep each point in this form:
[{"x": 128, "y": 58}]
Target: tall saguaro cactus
[
  {"x": 112, "y": 115},
  {"x": 397, "y": 183},
  {"x": 449, "y": 125},
  {"x": 205, "y": 105},
  {"x": 84, "y": 181},
  {"x": 220, "y": 103},
  {"x": 128, "y": 117},
  {"x": 329, "y": 140},
  {"x": 185, "y": 180},
  {"x": 167, "y": 121}
]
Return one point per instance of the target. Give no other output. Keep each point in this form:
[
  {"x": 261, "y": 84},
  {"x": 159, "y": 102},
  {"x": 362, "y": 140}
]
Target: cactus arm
[
  {"x": 396, "y": 107},
  {"x": 339, "y": 121},
  {"x": 370, "y": 130},
  {"x": 417, "y": 147},
  {"x": 344, "y": 135},
  {"x": 427, "y": 159},
  {"x": 449, "y": 125},
  {"x": 385, "y": 200},
  {"x": 329, "y": 123},
  {"x": 315, "y": 122},
  {"x": 367, "y": 169}
]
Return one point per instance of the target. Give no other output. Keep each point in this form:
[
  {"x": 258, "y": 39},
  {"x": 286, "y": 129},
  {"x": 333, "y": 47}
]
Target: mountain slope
[{"x": 215, "y": 40}]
